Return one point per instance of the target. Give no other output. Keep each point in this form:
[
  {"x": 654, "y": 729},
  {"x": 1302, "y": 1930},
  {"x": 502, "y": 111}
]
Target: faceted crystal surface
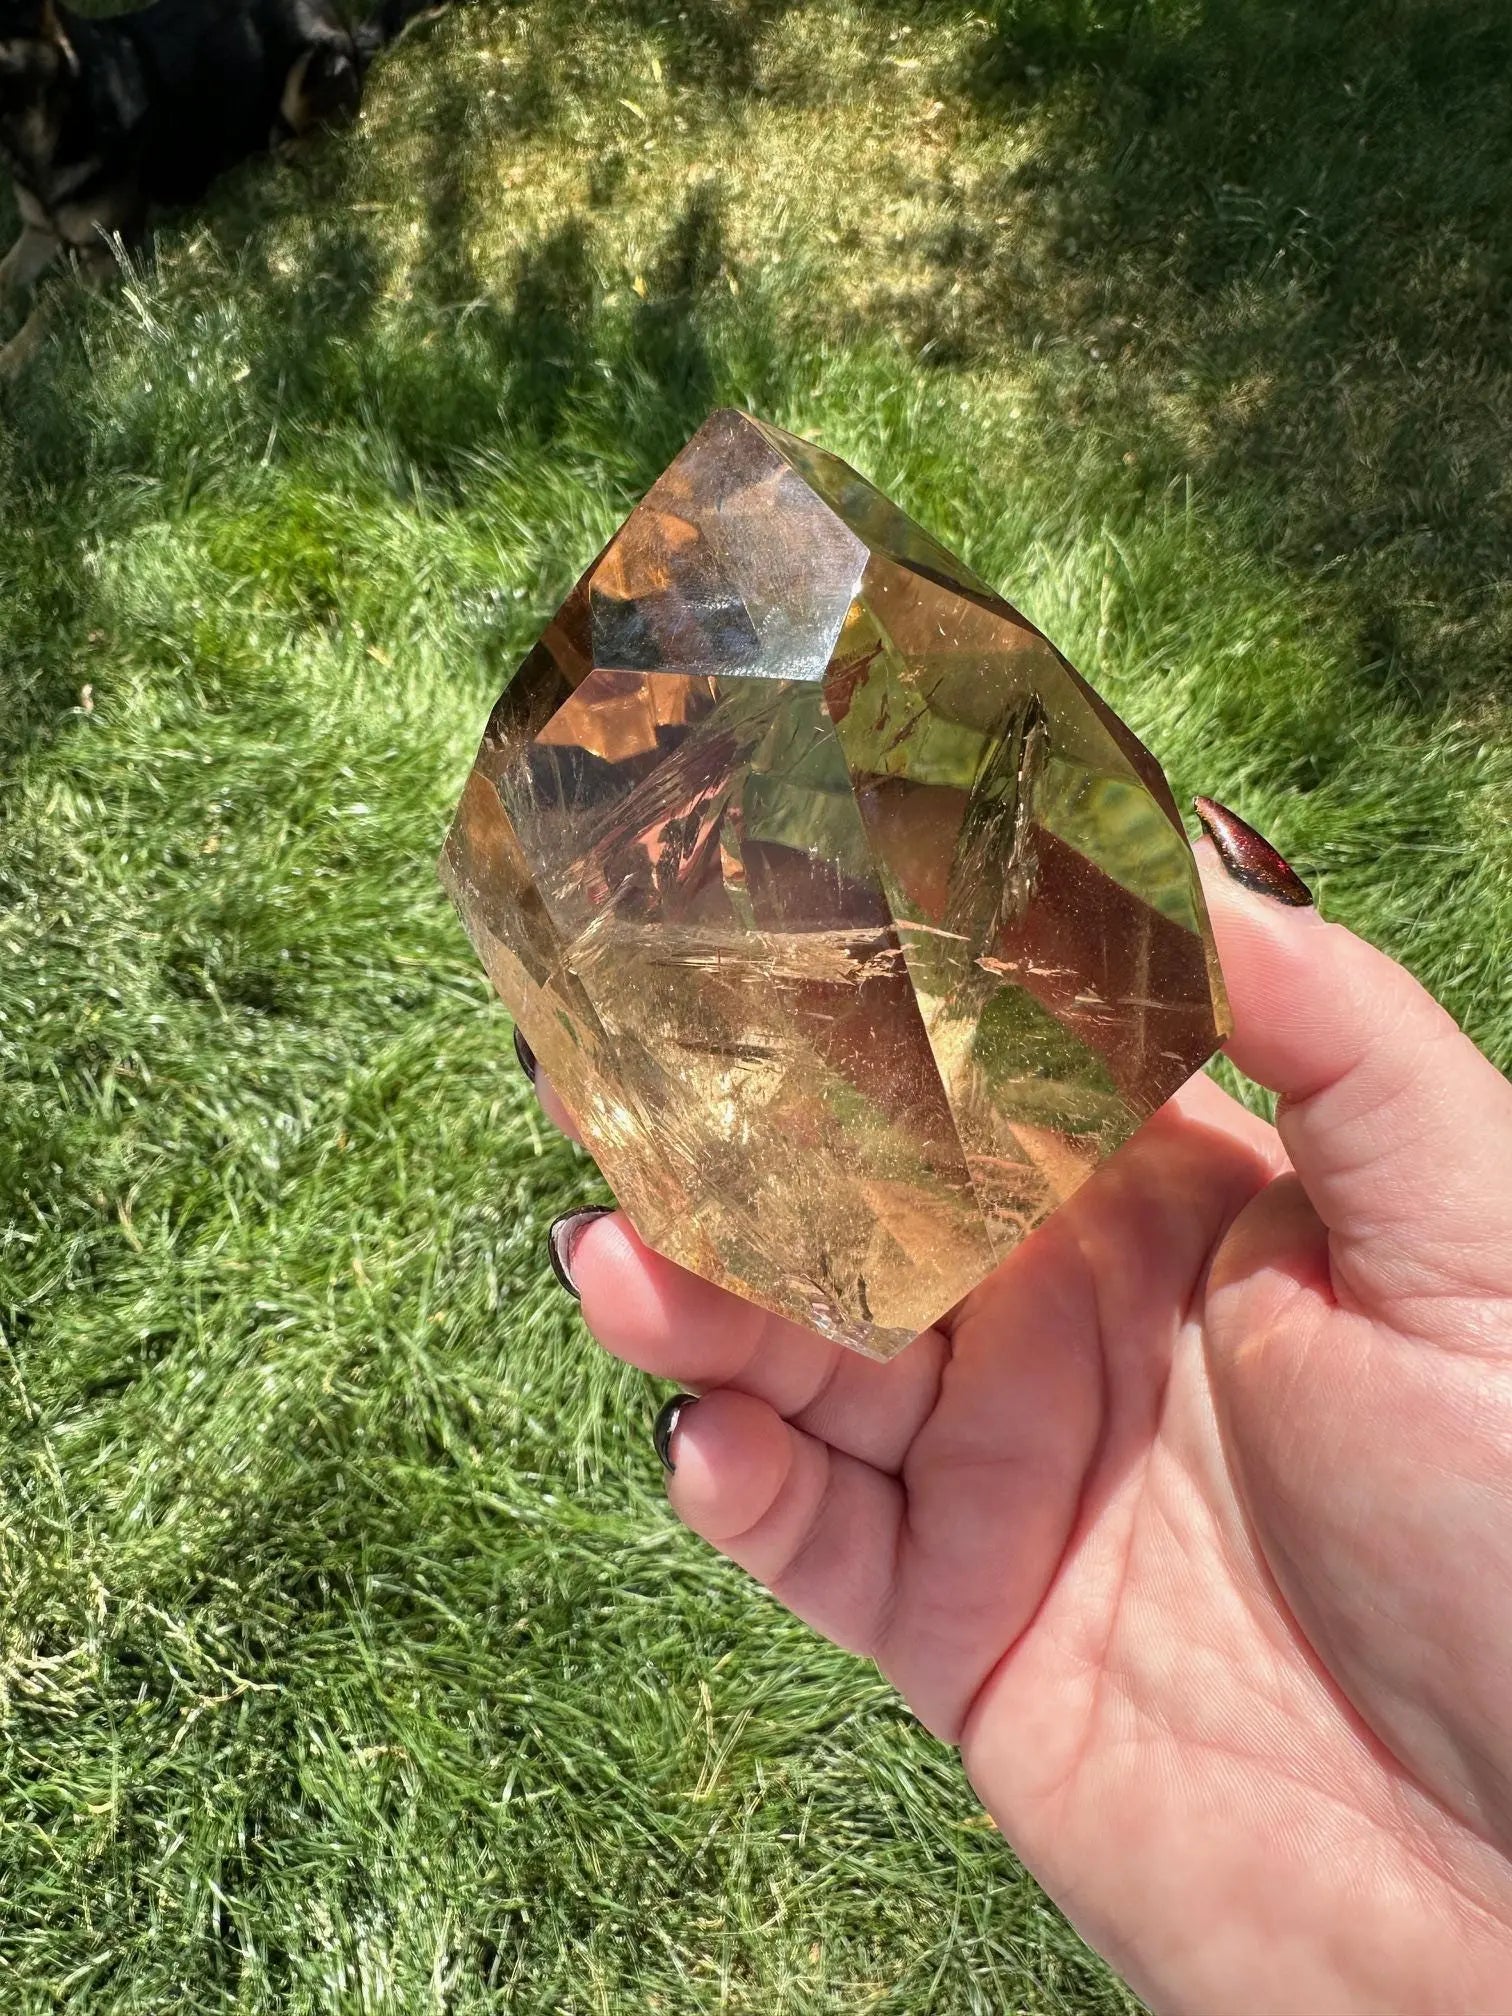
[{"x": 852, "y": 926}]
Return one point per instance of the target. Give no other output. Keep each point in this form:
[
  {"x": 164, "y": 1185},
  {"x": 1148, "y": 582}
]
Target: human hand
[{"x": 1192, "y": 1526}]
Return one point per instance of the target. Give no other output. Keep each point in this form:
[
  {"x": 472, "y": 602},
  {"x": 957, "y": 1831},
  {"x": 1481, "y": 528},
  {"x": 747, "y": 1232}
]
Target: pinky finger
[{"x": 818, "y": 1527}]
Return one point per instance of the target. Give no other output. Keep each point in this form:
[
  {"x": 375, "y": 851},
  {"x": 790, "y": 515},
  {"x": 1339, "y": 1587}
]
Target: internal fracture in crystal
[{"x": 854, "y": 929}]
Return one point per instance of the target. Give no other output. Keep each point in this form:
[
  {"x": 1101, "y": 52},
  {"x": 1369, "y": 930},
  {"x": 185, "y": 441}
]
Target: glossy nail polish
[
  {"x": 562, "y": 1238},
  {"x": 525, "y": 1054},
  {"x": 665, "y": 1427},
  {"x": 1249, "y": 857}
]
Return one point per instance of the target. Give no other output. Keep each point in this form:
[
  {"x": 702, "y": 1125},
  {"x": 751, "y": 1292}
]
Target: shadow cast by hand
[{"x": 1275, "y": 245}]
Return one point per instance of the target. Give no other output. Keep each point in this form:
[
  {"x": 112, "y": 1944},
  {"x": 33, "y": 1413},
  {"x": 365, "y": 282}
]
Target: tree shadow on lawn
[
  {"x": 1266, "y": 247},
  {"x": 1271, "y": 247},
  {"x": 525, "y": 367},
  {"x": 424, "y": 393},
  {"x": 73, "y": 474}
]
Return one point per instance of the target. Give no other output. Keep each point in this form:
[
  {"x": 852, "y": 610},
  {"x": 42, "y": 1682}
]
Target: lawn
[{"x": 349, "y": 1658}]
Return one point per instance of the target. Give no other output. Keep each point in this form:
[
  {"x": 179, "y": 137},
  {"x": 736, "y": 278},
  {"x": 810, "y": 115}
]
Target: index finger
[{"x": 551, "y": 1102}]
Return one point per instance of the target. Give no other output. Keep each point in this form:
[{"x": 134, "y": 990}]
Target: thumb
[{"x": 1400, "y": 1131}]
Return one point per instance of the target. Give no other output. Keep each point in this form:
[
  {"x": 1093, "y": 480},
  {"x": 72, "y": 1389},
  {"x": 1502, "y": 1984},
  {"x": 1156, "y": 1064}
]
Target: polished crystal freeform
[{"x": 854, "y": 929}]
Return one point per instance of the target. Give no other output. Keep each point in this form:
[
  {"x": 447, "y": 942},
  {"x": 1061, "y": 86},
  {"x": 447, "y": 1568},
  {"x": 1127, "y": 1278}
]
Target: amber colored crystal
[{"x": 854, "y": 929}]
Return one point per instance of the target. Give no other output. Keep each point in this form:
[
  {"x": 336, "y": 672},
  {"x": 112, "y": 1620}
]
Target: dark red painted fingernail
[
  {"x": 665, "y": 1427},
  {"x": 1249, "y": 857},
  {"x": 562, "y": 1239},
  {"x": 525, "y": 1054}
]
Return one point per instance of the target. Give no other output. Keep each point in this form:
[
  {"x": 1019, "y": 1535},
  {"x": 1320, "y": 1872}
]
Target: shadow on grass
[
  {"x": 1271, "y": 247},
  {"x": 466, "y": 372},
  {"x": 1267, "y": 247}
]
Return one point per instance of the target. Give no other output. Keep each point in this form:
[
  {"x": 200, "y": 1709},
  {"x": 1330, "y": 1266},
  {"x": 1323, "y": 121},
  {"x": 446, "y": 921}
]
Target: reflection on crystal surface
[
  {"x": 854, "y": 929},
  {"x": 698, "y": 851},
  {"x": 731, "y": 565}
]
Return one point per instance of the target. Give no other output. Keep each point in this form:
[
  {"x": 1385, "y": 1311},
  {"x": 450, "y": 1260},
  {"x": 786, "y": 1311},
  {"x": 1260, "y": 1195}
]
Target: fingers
[
  {"x": 1399, "y": 1129},
  {"x": 819, "y": 1528},
  {"x": 654, "y": 1314},
  {"x": 546, "y": 1092},
  {"x": 674, "y": 1325},
  {"x": 554, "y": 1110}
]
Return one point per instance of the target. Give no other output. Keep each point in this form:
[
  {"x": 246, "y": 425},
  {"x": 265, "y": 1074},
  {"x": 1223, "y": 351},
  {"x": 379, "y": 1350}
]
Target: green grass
[{"x": 349, "y": 1658}]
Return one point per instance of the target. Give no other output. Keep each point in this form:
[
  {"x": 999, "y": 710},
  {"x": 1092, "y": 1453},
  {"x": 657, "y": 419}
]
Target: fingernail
[
  {"x": 1249, "y": 857},
  {"x": 665, "y": 1427},
  {"x": 562, "y": 1239},
  {"x": 525, "y": 1054}
]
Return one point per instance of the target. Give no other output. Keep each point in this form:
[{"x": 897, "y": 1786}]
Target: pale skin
[{"x": 1193, "y": 1527}]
